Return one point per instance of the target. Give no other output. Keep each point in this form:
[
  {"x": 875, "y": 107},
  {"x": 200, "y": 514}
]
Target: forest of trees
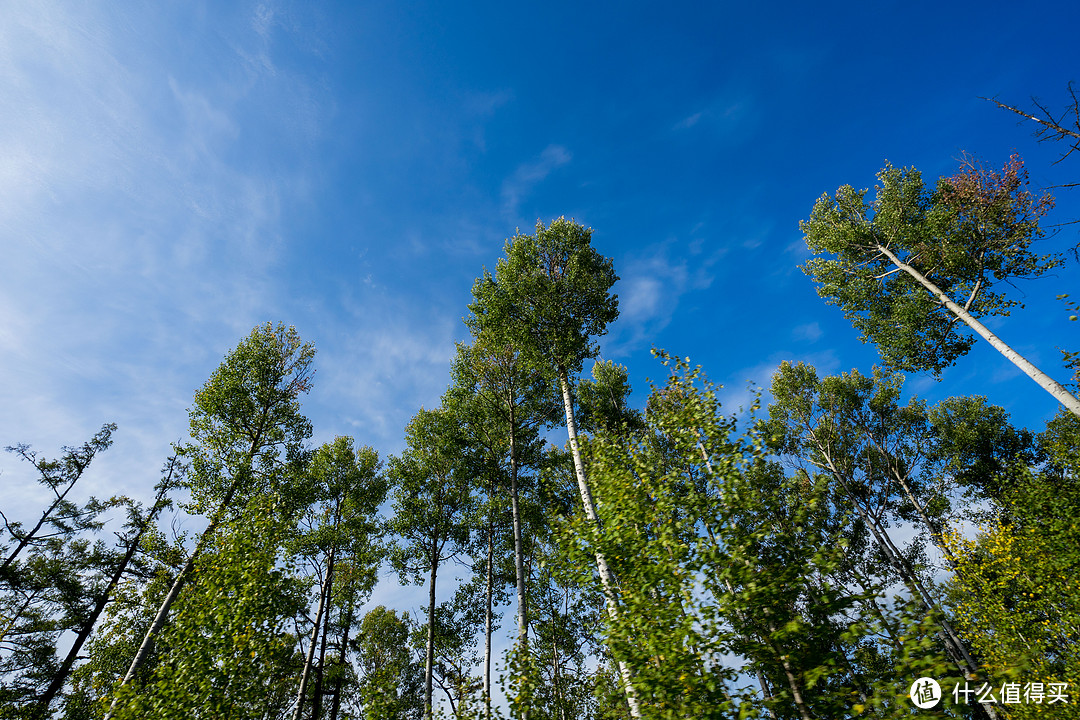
[{"x": 807, "y": 559}]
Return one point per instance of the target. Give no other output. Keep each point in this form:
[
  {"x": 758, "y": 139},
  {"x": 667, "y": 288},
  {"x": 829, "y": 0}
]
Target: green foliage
[
  {"x": 225, "y": 651},
  {"x": 247, "y": 430},
  {"x": 1061, "y": 443},
  {"x": 123, "y": 625},
  {"x": 603, "y": 401},
  {"x": 346, "y": 489},
  {"x": 975, "y": 447},
  {"x": 549, "y": 296},
  {"x": 432, "y": 502},
  {"x": 430, "y": 496},
  {"x": 391, "y": 680},
  {"x": 50, "y": 574},
  {"x": 972, "y": 232},
  {"x": 718, "y": 555},
  {"x": 1015, "y": 592},
  {"x": 878, "y": 464},
  {"x": 228, "y": 652}
]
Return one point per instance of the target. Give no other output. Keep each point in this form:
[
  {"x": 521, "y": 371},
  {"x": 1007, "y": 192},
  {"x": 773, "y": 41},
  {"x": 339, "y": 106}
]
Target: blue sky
[{"x": 174, "y": 173}]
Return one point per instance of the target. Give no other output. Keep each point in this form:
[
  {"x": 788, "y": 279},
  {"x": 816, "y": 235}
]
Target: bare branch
[
  {"x": 1048, "y": 125},
  {"x": 974, "y": 292},
  {"x": 894, "y": 270}
]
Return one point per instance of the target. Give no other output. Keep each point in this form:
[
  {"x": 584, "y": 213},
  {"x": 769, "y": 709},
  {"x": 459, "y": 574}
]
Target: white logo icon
[{"x": 925, "y": 693}]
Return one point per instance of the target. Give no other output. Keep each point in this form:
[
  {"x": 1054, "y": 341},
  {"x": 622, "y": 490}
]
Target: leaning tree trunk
[
  {"x": 953, "y": 644},
  {"x": 29, "y": 536},
  {"x": 88, "y": 626},
  {"x": 147, "y": 644},
  {"x": 1046, "y": 382},
  {"x": 606, "y": 577}
]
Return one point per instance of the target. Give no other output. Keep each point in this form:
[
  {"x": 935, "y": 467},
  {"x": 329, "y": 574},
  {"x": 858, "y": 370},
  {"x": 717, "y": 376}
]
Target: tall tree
[
  {"x": 432, "y": 499},
  {"x": 391, "y": 680},
  {"x": 247, "y": 443},
  {"x": 506, "y": 401},
  {"x": 549, "y": 297},
  {"x": 850, "y": 429},
  {"x": 50, "y": 574},
  {"x": 718, "y": 555},
  {"x": 908, "y": 265},
  {"x": 347, "y": 490},
  {"x": 138, "y": 523}
]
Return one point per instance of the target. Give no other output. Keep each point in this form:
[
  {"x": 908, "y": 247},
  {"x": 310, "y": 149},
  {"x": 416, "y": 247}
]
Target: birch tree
[
  {"x": 549, "y": 297},
  {"x": 342, "y": 543},
  {"x": 911, "y": 265},
  {"x": 432, "y": 499},
  {"x": 820, "y": 427},
  {"x": 247, "y": 443},
  {"x": 505, "y": 400}
]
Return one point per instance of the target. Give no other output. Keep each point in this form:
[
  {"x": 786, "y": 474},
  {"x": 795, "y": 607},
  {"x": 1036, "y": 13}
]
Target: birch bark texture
[{"x": 912, "y": 264}]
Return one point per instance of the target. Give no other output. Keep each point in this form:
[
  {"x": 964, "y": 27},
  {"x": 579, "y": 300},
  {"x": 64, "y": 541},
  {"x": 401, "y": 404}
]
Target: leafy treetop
[{"x": 974, "y": 230}]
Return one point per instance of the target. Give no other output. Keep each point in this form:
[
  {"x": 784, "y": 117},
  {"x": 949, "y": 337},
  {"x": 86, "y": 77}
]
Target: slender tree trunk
[
  {"x": 555, "y": 674},
  {"x": 519, "y": 554},
  {"x": 931, "y": 527},
  {"x": 429, "y": 654},
  {"x": 316, "y": 707},
  {"x": 1046, "y": 382},
  {"x": 324, "y": 592},
  {"x": 147, "y": 644},
  {"x": 606, "y": 577},
  {"x": 335, "y": 707},
  {"x": 88, "y": 626},
  {"x": 793, "y": 682},
  {"x": 488, "y": 615}
]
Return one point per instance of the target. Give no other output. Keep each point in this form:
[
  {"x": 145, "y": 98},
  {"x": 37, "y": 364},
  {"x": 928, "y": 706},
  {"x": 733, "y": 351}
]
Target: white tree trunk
[
  {"x": 606, "y": 578},
  {"x": 1046, "y": 382}
]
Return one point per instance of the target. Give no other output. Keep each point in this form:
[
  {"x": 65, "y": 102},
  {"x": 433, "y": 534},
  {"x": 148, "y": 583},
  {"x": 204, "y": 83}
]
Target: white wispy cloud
[
  {"x": 650, "y": 287},
  {"x": 809, "y": 331},
  {"x": 530, "y": 174},
  {"x": 726, "y": 113},
  {"x": 144, "y": 250}
]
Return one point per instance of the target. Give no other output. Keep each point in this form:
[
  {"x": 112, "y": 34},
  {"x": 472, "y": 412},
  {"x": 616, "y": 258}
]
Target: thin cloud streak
[
  {"x": 144, "y": 252},
  {"x": 528, "y": 175}
]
